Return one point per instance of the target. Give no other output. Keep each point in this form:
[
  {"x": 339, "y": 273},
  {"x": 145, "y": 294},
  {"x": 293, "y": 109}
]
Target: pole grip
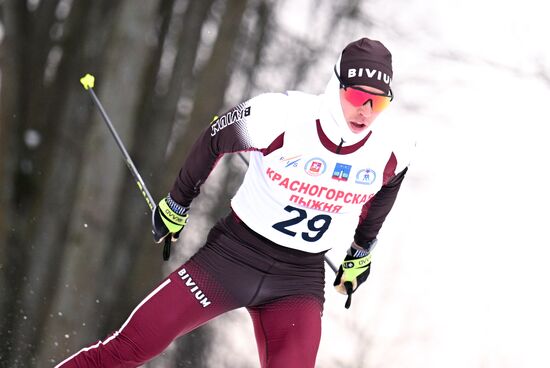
[{"x": 349, "y": 289}]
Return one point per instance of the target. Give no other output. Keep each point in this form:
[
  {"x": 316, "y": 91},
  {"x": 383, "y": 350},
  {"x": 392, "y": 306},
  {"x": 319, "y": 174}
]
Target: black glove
[
  {"x": 354, "y": 270},
  {"x": 169, "y": 218}
]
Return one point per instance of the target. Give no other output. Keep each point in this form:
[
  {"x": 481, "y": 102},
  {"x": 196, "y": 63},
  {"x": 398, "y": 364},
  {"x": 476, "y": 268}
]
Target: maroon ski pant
[{"x": 281, "y": 288}]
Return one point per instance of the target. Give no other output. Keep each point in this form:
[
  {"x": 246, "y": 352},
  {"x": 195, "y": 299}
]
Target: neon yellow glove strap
[
  {"x": 354, "y": 267},
  {"x": 172, "y": 220}
]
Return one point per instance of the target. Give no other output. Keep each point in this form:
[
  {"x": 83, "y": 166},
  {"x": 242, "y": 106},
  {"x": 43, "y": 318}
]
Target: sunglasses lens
[
  {"x": 359, "y": 98},
  {"x": 381, "y": 103},
  {"x": 355, "y": 97}
]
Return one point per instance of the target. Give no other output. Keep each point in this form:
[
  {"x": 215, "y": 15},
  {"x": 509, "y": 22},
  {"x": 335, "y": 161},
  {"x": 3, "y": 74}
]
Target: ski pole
[
  {"x": 331, "y": 265},
  {"x": 88, "y": 84},
  {"x": 327, "y": 260}
]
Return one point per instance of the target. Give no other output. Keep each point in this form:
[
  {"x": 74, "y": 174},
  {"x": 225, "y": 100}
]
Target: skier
[{"x": 319, "y": 176}]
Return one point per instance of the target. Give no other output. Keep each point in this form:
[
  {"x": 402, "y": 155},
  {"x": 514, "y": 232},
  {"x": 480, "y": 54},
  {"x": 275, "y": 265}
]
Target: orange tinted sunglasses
[{"x": 357, "y": 96}]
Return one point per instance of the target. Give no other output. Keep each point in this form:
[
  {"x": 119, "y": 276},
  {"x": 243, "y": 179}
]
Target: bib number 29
[{"x": 316, "y": 225}]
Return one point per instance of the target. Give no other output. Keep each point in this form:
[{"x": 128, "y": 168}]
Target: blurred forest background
[{"x": 76, "y": 253}]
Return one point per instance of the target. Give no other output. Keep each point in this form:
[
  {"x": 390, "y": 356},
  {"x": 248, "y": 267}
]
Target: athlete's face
[{"x": 359, "y": 118}]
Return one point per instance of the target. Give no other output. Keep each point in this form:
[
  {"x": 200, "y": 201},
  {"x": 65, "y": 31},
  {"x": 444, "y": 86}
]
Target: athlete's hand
[
  {"x": 169, "y": 218},
  {"x": 353, "y": 271}
]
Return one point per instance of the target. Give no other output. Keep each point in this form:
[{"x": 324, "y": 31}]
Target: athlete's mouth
[{"x": 357, "y": 125}]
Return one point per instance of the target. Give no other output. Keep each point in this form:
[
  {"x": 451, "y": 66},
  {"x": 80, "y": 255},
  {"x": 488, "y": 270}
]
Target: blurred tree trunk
[
  {"x": 45, "y": 234},
  {"x": 113, "y": 271},
  {"x": 255, "y": 39},
  {"x": 134, "y": 265},
  {"x": 211, "y": 86},
  {"x": 210, "y": 90},
  {"x": 19, "y": 59},
  {"x": 158, "y": 121},
  {"x": 74, "y": 311},
  {"x": 10, "y": 102}
]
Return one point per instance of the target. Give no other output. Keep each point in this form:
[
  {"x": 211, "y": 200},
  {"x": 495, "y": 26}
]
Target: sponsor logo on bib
[
  {"x": 315, "y": 167},
  {"x": 365, "y": 176},
  {"x": 291, "y": 161},
  {"x": 341, "y": 172}
]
